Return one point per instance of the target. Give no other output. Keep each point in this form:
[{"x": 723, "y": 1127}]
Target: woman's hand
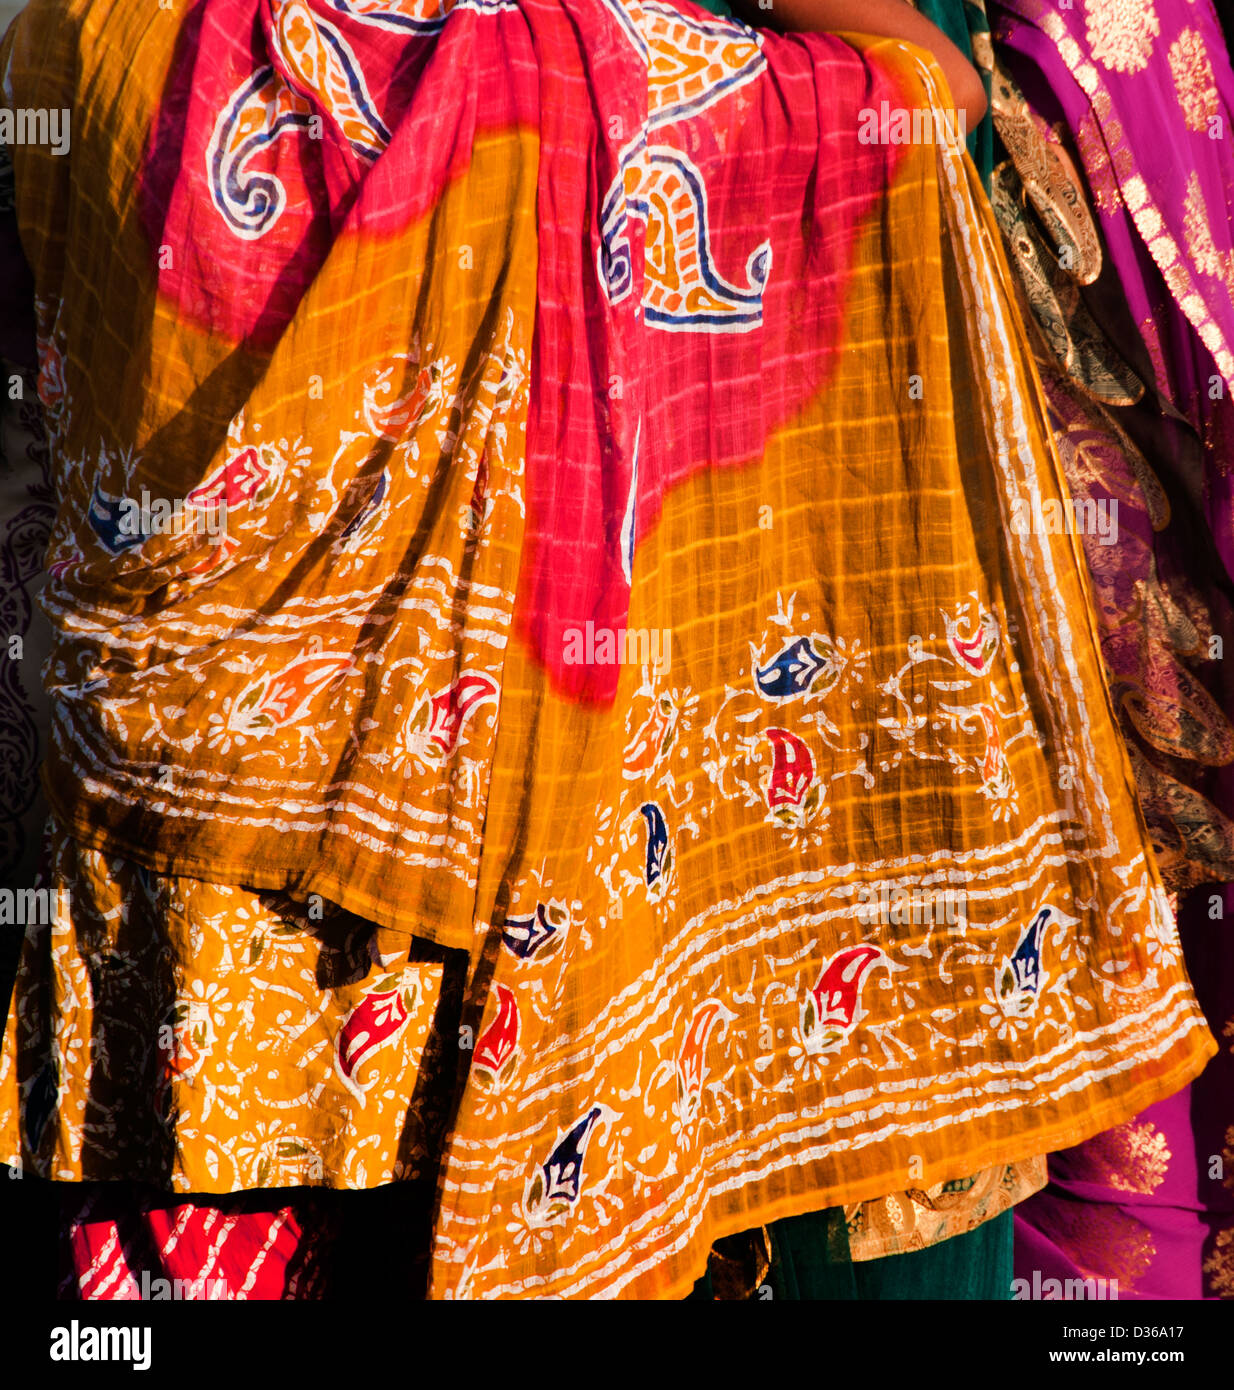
[{"x": 893, "y": 19}]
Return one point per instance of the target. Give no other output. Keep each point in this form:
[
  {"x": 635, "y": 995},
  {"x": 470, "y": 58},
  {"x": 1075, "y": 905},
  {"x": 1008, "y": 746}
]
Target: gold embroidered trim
[
  {"x": 1199, "y": 237},
  {"x": 1051, "y": 181},
  {"x": 922, "y": 1217},
  {"x": 1219, "y": 1267},
  {"x": 1072, "y": 337}
]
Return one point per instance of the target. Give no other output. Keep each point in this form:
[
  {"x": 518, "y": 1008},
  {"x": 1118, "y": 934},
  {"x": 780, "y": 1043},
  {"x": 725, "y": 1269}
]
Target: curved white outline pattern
[
  {"x": 256, "y": 115},
  {"x": 323, "y": 65},
  {"x": 652, "y": 176},
  {"x": 266, "y": 105},
  {"x": 651, "y": 180}
]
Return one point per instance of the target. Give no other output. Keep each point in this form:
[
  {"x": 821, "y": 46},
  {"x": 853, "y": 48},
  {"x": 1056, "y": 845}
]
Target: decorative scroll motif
[
  {"x": 316, "y": 71},
  {"x": 261, "y": 109},
  {"x": 1050, "y": 180},
  {"x": 692, "y": 65}
]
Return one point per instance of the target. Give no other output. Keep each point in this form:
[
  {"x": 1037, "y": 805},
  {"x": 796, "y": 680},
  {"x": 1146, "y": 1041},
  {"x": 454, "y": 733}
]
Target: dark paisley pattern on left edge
[{"x": 26, "y": 514}]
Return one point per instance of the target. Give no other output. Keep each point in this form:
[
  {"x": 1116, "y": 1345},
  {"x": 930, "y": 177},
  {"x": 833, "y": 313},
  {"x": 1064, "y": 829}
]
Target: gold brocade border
[
  {"x": 1050, "y": 178},
  {"x": 921, "y": 1218}
]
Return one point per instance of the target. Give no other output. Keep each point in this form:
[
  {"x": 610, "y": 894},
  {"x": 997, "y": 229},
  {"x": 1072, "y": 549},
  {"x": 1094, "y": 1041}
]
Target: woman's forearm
[{"x": 894, "y": 19}]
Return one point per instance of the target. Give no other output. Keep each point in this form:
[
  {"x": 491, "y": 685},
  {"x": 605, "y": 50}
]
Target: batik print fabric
[
  {"x": 576, "y": 325},
  {"x": 25, "y": 520},
  {"x": 119, "y": 1248},
  {"x": 26, "y": 512},
  {"x": 914, "y": 1218},
  {"x": 203, "y": 1037}
]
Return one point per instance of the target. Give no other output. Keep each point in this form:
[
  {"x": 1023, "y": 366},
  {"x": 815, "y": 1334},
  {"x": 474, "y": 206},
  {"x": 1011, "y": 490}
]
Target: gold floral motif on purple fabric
[
  {"x": 1193, "y": 79},
  {"x": 1120, "y": 33},
  {"x": 1131, "y": 1157},
  {"x": 1106, "y": 1243},
  {"x": 1219, "y": 1266}
]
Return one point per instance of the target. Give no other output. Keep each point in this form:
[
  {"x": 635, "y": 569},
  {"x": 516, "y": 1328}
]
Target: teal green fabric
[
  {"x": 808, "y": 1265},
  {"x": 717, "y": 7},
  {"x": 960, "y": 20},
  {"x": 811, "y": 1262}
]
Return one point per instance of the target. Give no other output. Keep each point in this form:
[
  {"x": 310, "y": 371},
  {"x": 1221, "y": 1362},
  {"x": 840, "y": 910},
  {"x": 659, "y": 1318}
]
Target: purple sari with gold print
[{"x": 1145, "y": 92}]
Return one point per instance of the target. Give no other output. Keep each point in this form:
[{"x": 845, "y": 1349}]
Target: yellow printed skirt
[{"x": 208, "y": 1038}]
